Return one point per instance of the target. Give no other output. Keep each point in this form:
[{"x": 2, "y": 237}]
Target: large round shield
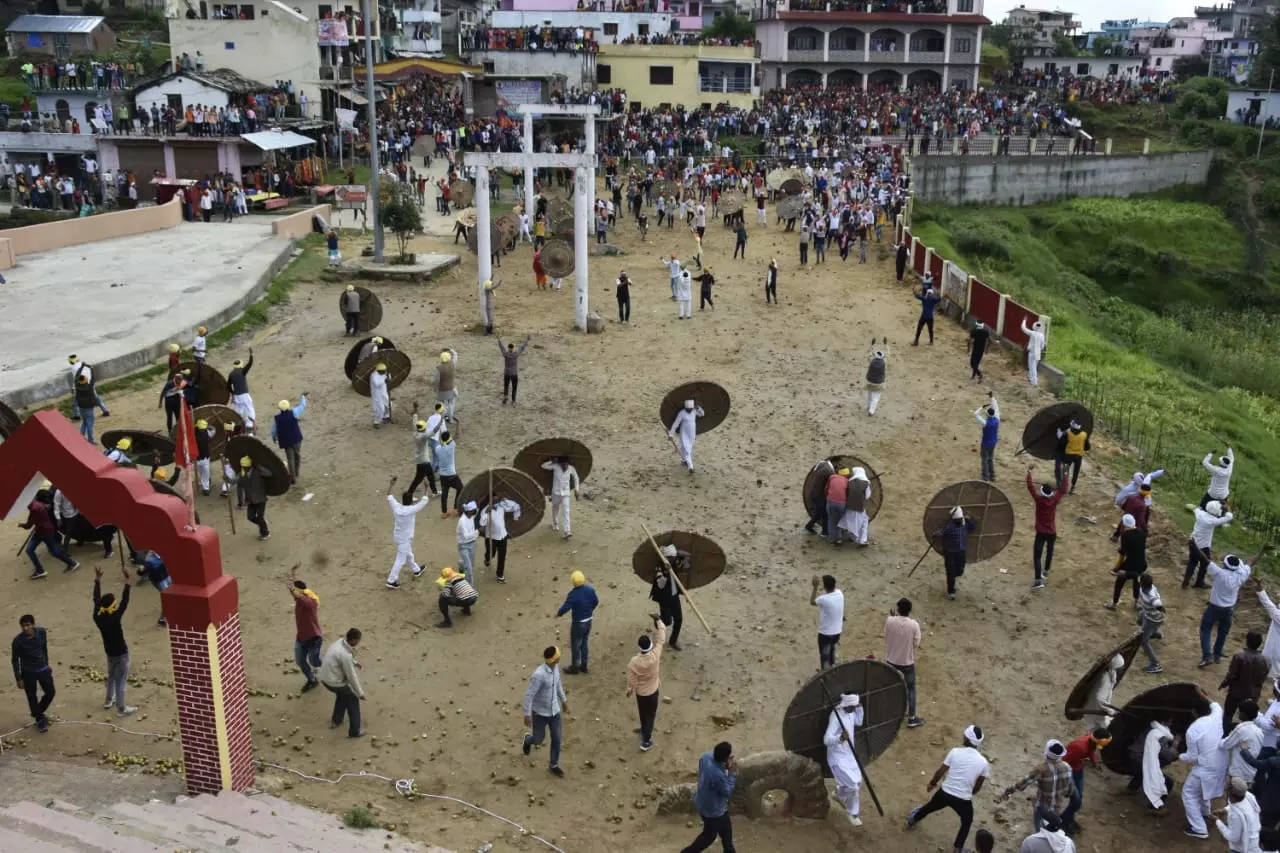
[
  {"x": 249, "y": 445},
  {"x": 218, "y": 417},
  {"x": 80, "y": 529},
  {"x": 495, "y": 237},
  {"x": 161, "y": 487},
  {"x": 466, "y": 218},
  {"x": 370, "y": 308},
  {"x": 1078, "y": 699},
  {"x": 982, "y": 502},
  {"x": 511, "y": 484},
  {"x": 149, "y": 448},
  {"x": 509, "y": 227},
  {"x": 557, "y": 258},
  {"x": 731, "y": 205},
  {"x": 775, "y": 179},
  {"x": 791, "y": 188},
  {"x": 353, "y": 357},
  {"x": 844, "y": 460},
  {"x": 461, "y": 193},
  {"x": 559, "y": 211},
  {"x": 706, "y": 558},
  {"x": 883, "y": 695},
  {"x": 531, "y": 458},
  {"x": 1133, "y": 722},
  {"x": 1040, "y": 435},
  {"x": 790, "y": 207},
  {"x": 713, "y": 399},
  {"x": 9, "y": 421},
  {"x": 211, "y": 386},
  {"x": 397, "y": 363}
]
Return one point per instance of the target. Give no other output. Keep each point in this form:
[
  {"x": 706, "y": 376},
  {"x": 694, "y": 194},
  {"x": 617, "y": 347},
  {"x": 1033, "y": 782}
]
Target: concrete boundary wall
[
  {"x": 295, "y": 226},
  {"x": 31, "y": 239},
  {"x": 1021, "y": 181}
]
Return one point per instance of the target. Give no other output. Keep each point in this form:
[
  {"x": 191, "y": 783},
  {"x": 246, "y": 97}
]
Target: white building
[
  {"x": 1100, "y": 67},
  {"x": 420, "y": 30},
  {"x": 1246, "y": 103},
  {"x": 188, "y": 88}
]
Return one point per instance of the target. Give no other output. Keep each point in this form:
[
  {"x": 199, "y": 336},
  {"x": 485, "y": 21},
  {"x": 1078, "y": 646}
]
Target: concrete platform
[
  {"x": 118, "y": 303},
  {"x": 426, "y": 265}
]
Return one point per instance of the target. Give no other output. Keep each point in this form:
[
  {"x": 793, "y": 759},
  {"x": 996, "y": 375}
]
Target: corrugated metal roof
[{"x": 55, "y": 24}]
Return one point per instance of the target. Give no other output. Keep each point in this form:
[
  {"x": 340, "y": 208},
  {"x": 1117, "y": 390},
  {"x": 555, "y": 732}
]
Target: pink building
[{"x": 685, "y": 14}]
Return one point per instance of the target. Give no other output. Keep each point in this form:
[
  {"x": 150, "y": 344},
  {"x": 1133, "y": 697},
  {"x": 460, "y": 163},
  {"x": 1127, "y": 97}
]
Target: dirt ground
[{"x": 445, "y": 706}]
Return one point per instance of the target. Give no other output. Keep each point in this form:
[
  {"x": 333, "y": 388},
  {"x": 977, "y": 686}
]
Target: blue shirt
[
  {"x": 291, "y": 433},
  {"x": 928, "y": 300},
  {"x": 442, "y": 456},
  {"x": 581, "y": 600},
  {"x": 715, "y": 787},
  {"x": 991, "y": 432},
  {"x": 955, "y": 537}
]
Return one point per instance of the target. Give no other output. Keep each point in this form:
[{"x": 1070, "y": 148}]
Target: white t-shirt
[
  {"x": 965, "y": 765},
  {"x": 830, "y": 612}
]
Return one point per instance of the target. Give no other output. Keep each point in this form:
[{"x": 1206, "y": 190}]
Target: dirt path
[{"x": 445, "y": 706}]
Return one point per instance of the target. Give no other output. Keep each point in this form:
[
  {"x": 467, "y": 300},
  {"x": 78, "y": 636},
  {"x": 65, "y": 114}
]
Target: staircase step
[
  {"x": 73, "y": 833},
  {"x": 14, "y": 840},
  {"x": 186, "y": 830},
  {"x": 237, "y": 810}
]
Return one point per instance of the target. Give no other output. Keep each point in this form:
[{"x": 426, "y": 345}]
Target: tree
[
  {"x": 1064, "y": 46},
  {"x": 1268, "y": 57},
  {"x": 401, "y": 215},
  {"x": 1105, "y": 45},
  {"x": 1185, "y": 67},
  {"x": 730, "y": 26}
]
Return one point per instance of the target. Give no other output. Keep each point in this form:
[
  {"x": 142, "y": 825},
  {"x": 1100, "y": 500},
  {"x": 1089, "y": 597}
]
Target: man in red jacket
[
  {"x": 43, "y": 530},
  {"x": 1046, "y": 499},
  {"x": 1139, "y": 506}
]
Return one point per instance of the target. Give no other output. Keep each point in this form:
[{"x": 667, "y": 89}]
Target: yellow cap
[
  {"x": 446, "y": 574},
  {"x": 350, "y": 287},
  {"x": 73, "y": 358},
  {"x": 421, "y": 426},
  {"x": 246, "y": 461},
  {"x": 578, "y": 578},
  {"x": 124, "y": 444},
  {"x": 238, "y": 363},
  {"x": 228, "y": 426},
  {"x": 439, "y": 407},
  {"x": 47, "y": 484},
  {"x": 377, "y": 340},
  {"x": 380, "y": 367},
  {"x": 446, "y": 357},
  {"x": 202, "y": 331},
  {"x": 843, "y": 472},
  {"x": 283, "y": 404},
  {"x": 173, "y": 347},
  {"x": 488, "y": 285},
  {"x": 202, "y": 424},
  {"x": 186, "y": 371},
  {"x": 160, "y": 474}
]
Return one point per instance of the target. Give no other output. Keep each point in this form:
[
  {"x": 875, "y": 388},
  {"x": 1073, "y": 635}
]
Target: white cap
[
  {"x": 859, "y": 474},
  {"x": 957, "y": 513},
  {"x": 1214, "y": 508},
  {"x": 849, "y": 700},
  {"x": 469, "y": 506},
  {"x": 1128, "y": 521},
  {"x": 688, "y": 404},
  {"x": 974, "y": 735},
  {"x": 668, "y": 550}
]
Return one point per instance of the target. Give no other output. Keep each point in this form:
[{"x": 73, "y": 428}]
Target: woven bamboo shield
[
  {"x": 775, "y": 179},
  {"x": 511, "y": 484},
  {"x": 370, "y": 308},
  {"x": 1134, "y": 721},
  {"x": 713, "y": 399},
  {"x": 218, "y": 417},
  {"x": 353, "y": 357},
  {"x": 149, "y": 448},
  {"x": 883, "y": 695},
  {"x": 558, "y": 258},
  {"x": 163, "y": 488},
  {"x": 790, "y": 207},
  {"x": 461, "y": 193},
  {"x": 398, "y": 366},
  {"x": 81, "y": 529},
  {"x": 731, "y": 205},
  {"x": 211, "y": 386},
  {"x": 844, "y": 460},
  {"x": 531, "y": 458},
  {"x": 982, "y": 502},
  {"x": 791, "y": 188},
  {"x": 1040, "y": 436},
  {"x": 509, "y": 227},
  {"x": 705, "y": 563},
  {"x": 1078, "y": 699},
  {"x": 262, "y": 455},
  {"x": 466, "y": 218},
  {"x": 495, "y": 237},
  {"x": 559, "y": 211},
  {"x": 9, "y": 421}
]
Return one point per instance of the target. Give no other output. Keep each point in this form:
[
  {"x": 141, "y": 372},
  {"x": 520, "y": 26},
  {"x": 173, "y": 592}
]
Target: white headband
[{"x": 972, "y": 735}]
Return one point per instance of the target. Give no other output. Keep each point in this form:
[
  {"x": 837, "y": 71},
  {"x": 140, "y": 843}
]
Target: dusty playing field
[{"x": 444, "y": 706}]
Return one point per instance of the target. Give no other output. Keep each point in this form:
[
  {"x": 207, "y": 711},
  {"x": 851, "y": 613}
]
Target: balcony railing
[
  {"x": 771, "y": 8},
  {"x": 797, "y": 55},
  {"x": 720, "y": 83},
  {"x": 340, "y": 73}
]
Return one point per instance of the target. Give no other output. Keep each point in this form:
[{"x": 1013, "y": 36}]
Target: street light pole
[
  {"x": 374, "y": 182},
  {"x": 1262, "y": 125}
]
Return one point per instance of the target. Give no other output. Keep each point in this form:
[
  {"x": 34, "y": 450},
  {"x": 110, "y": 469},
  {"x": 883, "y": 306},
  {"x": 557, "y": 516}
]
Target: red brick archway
[{"x": 200, "y": 607}]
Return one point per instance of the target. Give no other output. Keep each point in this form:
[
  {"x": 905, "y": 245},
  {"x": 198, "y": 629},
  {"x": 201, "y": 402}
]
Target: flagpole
[{"x": 185, "y": 441}]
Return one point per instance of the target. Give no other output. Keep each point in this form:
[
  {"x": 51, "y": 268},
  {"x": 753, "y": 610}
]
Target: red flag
[{"x": 184, "y": 453}]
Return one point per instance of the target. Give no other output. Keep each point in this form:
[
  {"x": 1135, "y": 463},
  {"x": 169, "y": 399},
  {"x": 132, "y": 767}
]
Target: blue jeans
[
  {"x": 1221, "y": 616},
  {"x": 50, "y": 542},
  {"x": 540, "y": 726},
  {"x": 835, "y": 512},
  {"x": 307, "y": 656},
  {"x": 86, "y": 424},
  {"x": 578, "y": 634},
  {"x": 1077, "y": 799}
]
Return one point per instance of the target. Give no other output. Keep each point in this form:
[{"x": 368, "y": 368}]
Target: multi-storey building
[
  {"x": 416, "y": 28},
  {"x": 935, "y": 43},
  {"x": 1036, "y": 31}
]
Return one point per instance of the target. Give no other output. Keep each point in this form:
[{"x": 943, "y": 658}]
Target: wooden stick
[
  {"x": 120, "y": 548},
  {"x": 676, "y": 578},
  {"x": 231, "y": 513},
  {"x": 921, "y": 560},
  {"x": 23, "y": 546},
  {"x": 671, "y": 438},
  {"x": 852, "y": 751}
]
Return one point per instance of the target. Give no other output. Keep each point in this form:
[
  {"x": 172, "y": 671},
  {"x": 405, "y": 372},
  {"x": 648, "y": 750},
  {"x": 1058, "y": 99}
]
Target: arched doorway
[
  {"x": 928, "y": 41},
  {"x": 846, "y": 77},
  {"x": 803, "y": 77},
  {"x": 885, "y": 77},
  {"x": 924, "y": 78},
  {"x": 63, "y": 110},
  {"x": 804, "y": 40},
  {"x": 886, "y": 41},
  {"x": 846, "y": 39},
  {"x": 89, "y": 109}
]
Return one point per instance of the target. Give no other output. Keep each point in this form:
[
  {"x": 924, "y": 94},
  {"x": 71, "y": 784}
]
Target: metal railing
[{"x": 721, "y": 83}]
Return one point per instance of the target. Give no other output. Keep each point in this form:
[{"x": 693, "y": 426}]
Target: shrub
[
  {"x": 360, "y": 817},
  {"x": 982, "y": 240}
]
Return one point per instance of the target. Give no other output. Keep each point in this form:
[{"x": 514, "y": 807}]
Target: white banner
[{"x": 346, "y": 119}]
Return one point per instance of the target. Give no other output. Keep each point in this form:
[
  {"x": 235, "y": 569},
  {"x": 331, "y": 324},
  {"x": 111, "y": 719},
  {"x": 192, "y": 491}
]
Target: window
[
  {"x": 1158, "y": 61},
  {"x": 928, "y": 42},
  {"x": 803, "y": 40},
  {"x": 610, "y": 29},
  {"x": 642, "y": 30},
  {"x": 964, "y": 5},
  {"x": 488, "y": 67},
  {"x": 693, "y": 10},
  {"x": 75, "y": 3},
  {"x": 175, "y": 102},
  {"x": 604, "y": 73},
  {"x": 1082, "y": 69},
  {"x": 1113, "y": 69},
  {"x": 961, "y": 45},
  {"x": 228, "y": 45},
  {"x": 661, "y": 75}
]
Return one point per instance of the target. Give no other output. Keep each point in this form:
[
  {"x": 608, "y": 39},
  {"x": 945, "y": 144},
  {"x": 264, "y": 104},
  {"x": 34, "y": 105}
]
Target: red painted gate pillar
[{"x": 200, "y": 606}]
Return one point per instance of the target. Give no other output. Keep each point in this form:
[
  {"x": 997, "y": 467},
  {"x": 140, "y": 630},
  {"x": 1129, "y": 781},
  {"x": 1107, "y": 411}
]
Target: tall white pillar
[
  {"x": 582, "y": 223},
  {"x": 484, "y": 251},
  {"x": 528, "y": 167}
]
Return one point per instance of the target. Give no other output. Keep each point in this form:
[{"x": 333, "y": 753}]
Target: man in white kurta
[
  {"x": 564, "y": 482},
  {"x": 841, "y": 726},
  {"x": 855, "y": 518},
  {"x": 1035, "y": 348},
  {"x": 686, "y": 424},
  {"x": 684, "y": 295},
  {"x": 405, "y": 516},
  {"x": 1155, "y": 784},
  {"x": 1100, "y": 694},
  {"x": 1208, "y": 773},
  {"x": 379, "y": 396}
]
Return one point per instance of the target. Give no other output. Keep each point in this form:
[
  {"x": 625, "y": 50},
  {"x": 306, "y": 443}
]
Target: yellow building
[{"x": 654, "y": 75}]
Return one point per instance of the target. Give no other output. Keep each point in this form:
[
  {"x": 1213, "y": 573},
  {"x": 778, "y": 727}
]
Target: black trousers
[
  {"x": 1194, "y": 562},
  {"x": 497, "y": 548},
  {"x": 1121, "y": 580},
  {"x": 718, "y": 826},
  {"x": 942, "y": 800},
  {"x": 672, "y": 615},
  {"x": 902, "y": 267},
  {"x": 1066, "y": 462},
  {"x": 804, "y": 253},
  {"x": 44, "y": 679},
  {"x": 446, "y": 602},
  {"x": 345, "y": 703},
  {"x": 975, "y": 364},
  {"x": 954, "y": 562},
  {"x": 771, "y": 290},
  {"x": 257, "y": 514},
  {"x": 624, "y": 309},
  {"x": 510, "y": 383},
  {"x": 648, "y": 708},
  {"x": 827, "y": 650},
  {"x": 1044, "y": 543},
  {"x": 448, "y": 481},
  {"x": 920, "y": 324},
  {"x": 424, "y": 471},
  {"x": 740, "y": 247},
  {"x": 705, "y": 299},
  {"x": 353, "y": 322},
  {"x": 819, "y": 516}
]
